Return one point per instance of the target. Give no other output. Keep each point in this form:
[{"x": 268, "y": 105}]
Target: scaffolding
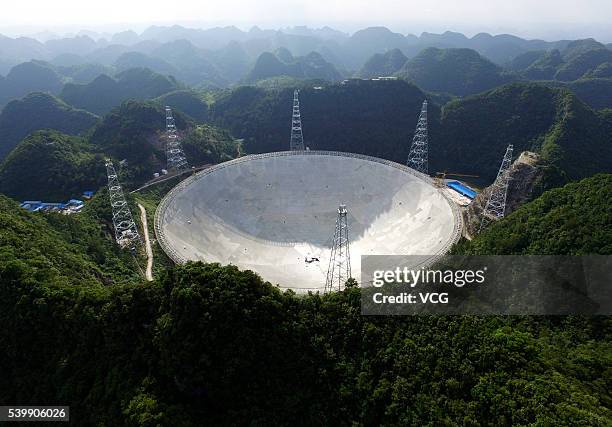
[
  {"x": 126, "y": 232},
  {"x": 339, "y": 270},
  {"x": 418, "y": 156},
  {"x": 495, "y": 208}
]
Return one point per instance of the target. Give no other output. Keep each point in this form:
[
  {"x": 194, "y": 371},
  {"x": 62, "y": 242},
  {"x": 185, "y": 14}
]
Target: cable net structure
[
  {"x": 297, "y": 139},
  {"x": 339, "y": 270},
  {"x": 495, "y": 208},
  {"x": 126, "y": 232},
  {"x": 418, "y": 156},
  {"x": 175, "y": 157}
]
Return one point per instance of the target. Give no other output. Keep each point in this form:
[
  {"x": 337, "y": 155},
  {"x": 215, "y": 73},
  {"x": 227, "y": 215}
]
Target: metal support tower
[
  {"x": 496, "y": 204},
  {"x": 175, "y": 157},
  {"x": 297, "y": 139},
  {"x": 418, "y": 156},
  {"x": 339, "y": 270},
  {"x": 126, "y": 232}
]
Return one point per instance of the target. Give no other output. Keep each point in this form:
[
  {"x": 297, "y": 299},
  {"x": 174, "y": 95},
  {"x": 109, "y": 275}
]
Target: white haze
[{"x": 548, "y": 19}]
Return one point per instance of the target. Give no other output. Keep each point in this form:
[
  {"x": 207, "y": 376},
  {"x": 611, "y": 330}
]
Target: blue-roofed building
[
  {"x": 31, "y": 205},
  {"x": 72, "y": 206},
  {"x": 88, "y": 194},
  {"x": 462, "y": 189}
]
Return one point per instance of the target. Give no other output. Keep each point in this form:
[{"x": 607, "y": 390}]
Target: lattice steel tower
[
  {"x": 418, "y": 156},
  {"x": 496, "y": 204},
  {"x": 339, "y": 270},
  {"x": 297, "y": 139},
  {"x": 175, "y": 157},
  {"x": 126, "y": 232}
]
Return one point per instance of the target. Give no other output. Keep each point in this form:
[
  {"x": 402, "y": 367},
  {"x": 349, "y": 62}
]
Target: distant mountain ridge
[
  {"x": 383, "y": 64},
  {"x": 456, "y": 71},
  {"x": 311, "y": 66},
  {"x": 105, "y": 93},
  {"x": 345, "y": 51},
  {"x": 226, "y": 56}
]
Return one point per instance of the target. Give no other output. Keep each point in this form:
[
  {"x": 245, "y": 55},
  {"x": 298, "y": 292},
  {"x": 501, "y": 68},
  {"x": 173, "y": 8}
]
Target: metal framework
[
  {"x": 126, "y": 232},
  {"x": 297, "y": 139},
  {"x": 418, "y": 156},
  {"x": 339, "y": 270},
  {"x": 496, "y": 204},
  {"x": 175, "y": 157}
]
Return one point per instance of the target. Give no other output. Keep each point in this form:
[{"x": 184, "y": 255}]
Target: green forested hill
[
  {"x": 383, "y": 64},
  {"x": 63, "y": 252},
  {"x": 51, "y": 166},
  {"x": 596, "y": 92},
  {"x": 545, "y": 67},
  {"x": 583, "y": 63},
  {"x": 579, "y": 59},
  {"x": 187, "y": 102},
  {"x": 39, "y": 111},
  {"x": 311, "y": 66},
  {"x": 603, "y": 70},
  {"x": 456, "y": 71},
  {"x": 210, "y": 342},
  {"x": 135, "y": 132},
  {"x": 476, "y": 130},
  {"x": 33, "y": 76},
  {"x": 573, "y": 220},
  {"x": 105, "y": 93},
  {"x": 209, "y": 144}
]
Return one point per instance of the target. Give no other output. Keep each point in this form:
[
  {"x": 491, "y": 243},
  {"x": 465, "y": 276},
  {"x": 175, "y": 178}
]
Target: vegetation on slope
[
  {"x": 39, "y": 111},
  {"x": 545, "y": 67},
  {"x": 51, "y": 166},
  {"x": 595, "y": 92},
  {"x": 208, "y": 144},
  {"x": 62, "y": 252},
  {"x": 573, "y": 220},
  {"x": 187, "y": 102},
  {"x": 135, "y": 132},
  {"x": 476, "y": 131},
  {"x": 580, "y": 59},
  {"x": 603, "y": 70},
  {"x": 583, "y": 63}
]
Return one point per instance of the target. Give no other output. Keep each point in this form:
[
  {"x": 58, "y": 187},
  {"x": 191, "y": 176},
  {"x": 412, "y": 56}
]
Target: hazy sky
[{"x": 530, "y": 18}]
